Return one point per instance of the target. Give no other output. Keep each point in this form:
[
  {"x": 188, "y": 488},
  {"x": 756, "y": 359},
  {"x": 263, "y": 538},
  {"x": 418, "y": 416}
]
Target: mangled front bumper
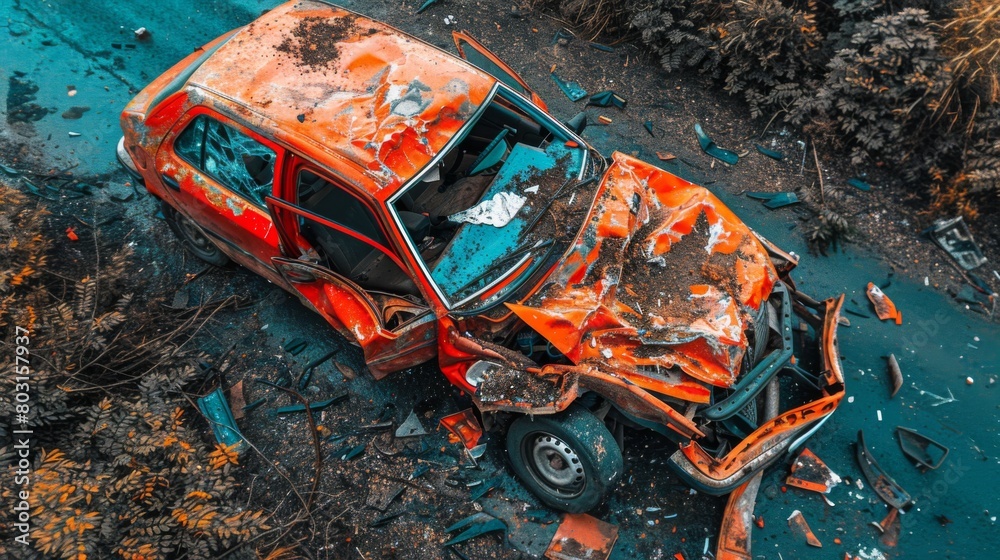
[{"x": 785, "y": 432}]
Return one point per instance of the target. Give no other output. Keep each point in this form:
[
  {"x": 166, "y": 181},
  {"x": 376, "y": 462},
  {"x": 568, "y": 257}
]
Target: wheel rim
[
  {"x": 199, "y": 242},
  {"x": 554, "y": 465}
]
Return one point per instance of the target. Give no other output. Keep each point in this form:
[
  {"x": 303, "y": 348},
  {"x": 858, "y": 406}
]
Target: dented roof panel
[{"x": 348, "y": 85}]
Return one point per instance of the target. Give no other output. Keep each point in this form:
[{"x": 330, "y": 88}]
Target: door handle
[{"x": 170, "y": 182}]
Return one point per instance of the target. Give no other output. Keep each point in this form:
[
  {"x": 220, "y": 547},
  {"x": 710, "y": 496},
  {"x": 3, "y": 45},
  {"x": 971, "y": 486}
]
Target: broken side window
[{"x": 234, "y": 159}]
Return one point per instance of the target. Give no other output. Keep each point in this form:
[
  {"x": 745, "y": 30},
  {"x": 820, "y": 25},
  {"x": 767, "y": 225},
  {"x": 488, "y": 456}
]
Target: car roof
[{"x": 326, "y": 79}]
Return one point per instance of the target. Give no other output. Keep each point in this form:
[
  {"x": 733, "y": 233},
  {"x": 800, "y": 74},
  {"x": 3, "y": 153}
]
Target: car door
[
  {"x": 218, "y": 174},
  {"x": 474, "y": 52},
  {"x": 333, "y": 244}
]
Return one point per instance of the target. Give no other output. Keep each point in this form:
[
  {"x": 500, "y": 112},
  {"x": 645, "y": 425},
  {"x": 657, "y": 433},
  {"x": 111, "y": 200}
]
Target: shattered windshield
[{"x": 476, "y": 216}]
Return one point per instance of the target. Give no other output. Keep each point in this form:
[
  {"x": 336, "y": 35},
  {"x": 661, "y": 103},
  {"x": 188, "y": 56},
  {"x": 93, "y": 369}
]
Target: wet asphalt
[{"x": 91, "y": 46}]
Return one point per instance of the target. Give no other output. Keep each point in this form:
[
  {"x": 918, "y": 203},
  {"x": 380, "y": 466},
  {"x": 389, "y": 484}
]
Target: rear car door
[
  {"x": 474, "y": 52},
  {"x": 219, "y": 174},
  {"x": 340, "y": 262}
]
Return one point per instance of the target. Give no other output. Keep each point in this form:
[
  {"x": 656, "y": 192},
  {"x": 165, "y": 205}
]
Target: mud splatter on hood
[{"x": 661, "y": 284}]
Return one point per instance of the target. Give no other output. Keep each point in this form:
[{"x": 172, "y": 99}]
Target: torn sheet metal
[
  {"x": 882, "y": 483},
  {"x": 465, "y": 426},
  {"x": 582, "y": 537},
  {"x": 895, "y": 375},
  {"x": 572, "y": 89},
  {"x": 798, "y": 523},
  {"x": 922, "y": 450},
  {"x": 955, "y": 238},
  {"x": 497, "y": 211},
  {"x": 489, "y": 525},
  {"x": 737, "y": 522},
  {"x": 884, "y": 307},
  {"x": 809, "y": 472},
  {"x": 890, "y": 528},
  {"x": 411, "y": 427}
]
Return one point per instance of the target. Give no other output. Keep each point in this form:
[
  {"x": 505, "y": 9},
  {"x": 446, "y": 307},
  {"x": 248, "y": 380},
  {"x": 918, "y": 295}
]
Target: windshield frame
[{"x": 535, "y": 112}]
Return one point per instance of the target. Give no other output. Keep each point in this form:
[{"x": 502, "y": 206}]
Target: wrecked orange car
[{"x": 429, "y": 208}]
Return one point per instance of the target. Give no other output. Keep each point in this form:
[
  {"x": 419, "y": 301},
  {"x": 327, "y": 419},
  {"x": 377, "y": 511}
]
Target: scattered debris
[
  {"x": 734, "y": 534},
  {"x": 314, "y": 405},
  {"x": 797, "y": 522},
  {"x": 601, "y": 47},
  {"x": 884, "y": 486},
  {"x": 604, "y": 120},
  {"x": 922, "y": 450},
  {"x": 895, "y": 375},
  {"x": 665, "y": 156},
  {"x": 74, "y": 112},
  {"x": 581, "y": 536},
  {"x": 142, "y": 34},
  {"x": 954, "y": 237},
  {"x": 607, "y": 98},
  {"x": 479, "y": 524},
  {"x": 809, "y": 472},
  {"x": 465, "y": 426},
  {"x": 71, "y": 234},
  {"x": 884, "y": 307},
  {"x": 940, "y": 400},
  {"x": 572, "y": 89},
  {"x": 859, "y": 184},
  {"x": 769, "y": 153},
  {"x": 296, "y": 346},
  {"x": 382, "y": 497},
  {"x": 648, "y": 125},
  {"x": 220, "y": 417},
  {"x": 775, "y": 200},
  {"x": 711, "y": 149},
  {"x": 349, "y": 452},
  {"x": 74, "y": 134},
  {"x": 889, "y": 527},
  {"x": 563, "y": 34},
  {"x": 307, "y": 373},
  {"x": 426, "y": 5},
  {"x": 254, "y": 405},
  {"x": 411, "y": 427},
  {"x": 238, "y": 403},
  {"x": 484, "y": 488}
]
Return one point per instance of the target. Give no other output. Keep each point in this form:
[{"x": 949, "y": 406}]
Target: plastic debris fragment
[
  {"x": 884, "y": 486},
  {"x": 607, "y": 98},
  {"x": 411, "y": 427},
  {"x": 797, "y": 522},
  {"x": 604, "y": 120},
  {"x": 465, "y": 426},
  {"x": 665, "y": 156},
  {"x": 648, "y": 125},
  {"x": 426, "y": 5},
  {"x": 954, "y": 237},
  {"x": 859, "y": 184},
  {"x": 581, "y": 536},
  {"x": 385, "y": 519},
  {"x": 485, "y": 488},
  {"x": 349, "y": 452},
  {"x": 254, "y": 404},
  {"x": 572, "y": 89},
  {"x": 769, "y": 153},
  {"x": 922, "y": 450},
  {"x": 562, "y": 33},
  {"x": 809, "y": 472},
  {"x": 895, "y": 375},
  {"x": 295, "y": 346},
  {"x": 775, "y": 200},
  {"x": 884, "y": 307},
  {"x": 217, "y": 411},
  {"x": 889, "y": 527},
  {"x": 712, "y": 149},
  {"x": 420, "y": 471},
  {"x": 601, "y": 47}
]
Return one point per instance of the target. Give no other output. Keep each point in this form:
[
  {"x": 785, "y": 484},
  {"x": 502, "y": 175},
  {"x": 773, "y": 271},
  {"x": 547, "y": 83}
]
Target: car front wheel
[
  {"x": 193, "y": 237},
  {"x": 569, "y": 460}
]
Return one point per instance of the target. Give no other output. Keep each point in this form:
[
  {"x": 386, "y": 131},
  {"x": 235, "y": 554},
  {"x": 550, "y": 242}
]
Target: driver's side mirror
[{"x": 577, "y": 123}]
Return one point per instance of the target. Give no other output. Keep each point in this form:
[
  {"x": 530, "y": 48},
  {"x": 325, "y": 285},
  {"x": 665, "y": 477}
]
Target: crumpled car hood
[{"x": 660, "y": 285}]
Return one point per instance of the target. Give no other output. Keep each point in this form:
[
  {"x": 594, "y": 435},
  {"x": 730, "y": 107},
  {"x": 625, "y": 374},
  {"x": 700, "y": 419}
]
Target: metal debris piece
[
  {"x": 601, "y": 47},
  {"x": 884, "y": 307},
  {"x": 954, "y": 237},
  {"x": 313, "y": 405},
  {"x": 665, "y": 156},
  {"x": 809, "y": 472},
  {"x": 648, "y": 125},
  {"x": 859, "y": 184},
  {"x": 485, "y": 488},
  {"x": 895, "y": 375},
  {"x": 381, "y": 500},
  {"x": 572, "y": 89},
  {"x": 797, "y": 522},
  {"x": 581, "y": 536},
  {"x": 465, "y": 426},
  {"x": 9, "y": 170},
  {"x": 734, "y": 535},
  {"x": 295, "y": 346},
  {"x": 607, "y": 98},
  {"x": 349, "y": 452},
  {"x": 421, "y": 470},
  {"x": 604, "y": 120},
  {"x": 345, "y": 370},
  {"x": 884, "y": 486},
  {"x": 925, "y": 452},
  {"x": 307, "y": 373},
  {"x": 490, "y": 525},
  {"x": 889, "y": 527},
  {"x": 254, "y": 404},
  {"x": 217, "y": 411},
  {"x": 775, "y": 200},
  {"x": 385, "y": 519},
  {"x": 769, "y": 153},
  {"x": 562, "y": 33},
  {"x": 411, "y": 427},
  {"x": 712, "y": 149}
]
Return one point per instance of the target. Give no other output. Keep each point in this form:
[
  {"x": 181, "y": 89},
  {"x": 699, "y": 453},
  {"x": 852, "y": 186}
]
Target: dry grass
[{"x": 971, "y": 43}]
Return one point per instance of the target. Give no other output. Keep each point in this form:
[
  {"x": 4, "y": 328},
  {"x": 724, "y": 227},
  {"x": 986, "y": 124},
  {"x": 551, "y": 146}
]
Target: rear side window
[
  {"x": 234, "y": 159},
  {"x": 321, "y": 197}
]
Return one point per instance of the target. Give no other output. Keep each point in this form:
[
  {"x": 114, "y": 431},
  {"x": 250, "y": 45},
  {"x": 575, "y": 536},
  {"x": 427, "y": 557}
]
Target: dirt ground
[{"x": 383, "y": 497}]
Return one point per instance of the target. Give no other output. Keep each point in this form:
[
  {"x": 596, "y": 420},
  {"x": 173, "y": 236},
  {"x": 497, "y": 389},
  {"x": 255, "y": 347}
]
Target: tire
[
  {"x": 193, "y": 238},
  {"x": 569, "y": 460}
]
